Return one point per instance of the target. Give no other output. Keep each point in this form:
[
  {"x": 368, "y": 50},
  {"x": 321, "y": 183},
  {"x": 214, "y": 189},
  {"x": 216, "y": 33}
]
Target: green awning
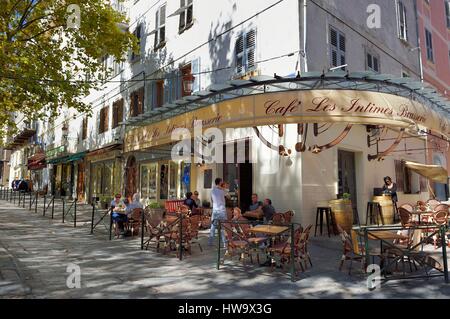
[
  {"x": 67, "y": 158},
  {"x": 76, "y": 156}
]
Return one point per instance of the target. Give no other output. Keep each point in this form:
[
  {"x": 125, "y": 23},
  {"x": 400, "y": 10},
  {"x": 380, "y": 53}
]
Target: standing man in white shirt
[{"x": 219, "y": 210}]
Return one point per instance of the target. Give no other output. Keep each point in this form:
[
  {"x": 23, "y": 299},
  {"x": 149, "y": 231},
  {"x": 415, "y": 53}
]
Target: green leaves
[{"x": 43, "y": 62}]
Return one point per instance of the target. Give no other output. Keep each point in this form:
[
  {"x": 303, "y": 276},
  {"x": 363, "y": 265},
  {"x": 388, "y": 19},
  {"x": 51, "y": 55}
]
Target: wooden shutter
[
  {"x": 84, "y": 129},
  {"x": 250, "y": 46},
  {"x": 119, "y": 111},
  {"x": 240, "y": 54},
  {"x": 399, "y": 175},
  {"x": 141, "y": 93},
  {"x": 105, "y": 118},
  {"x": 337, "y": 48}
]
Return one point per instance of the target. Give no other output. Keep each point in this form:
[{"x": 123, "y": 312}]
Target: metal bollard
[
  {"x": 92, "y": 219},
  {"x": 36, "y": 203},
  {"x": 110, "y": 227},
  {"x": 45, "y": 205},
  {"x": 63, "y": 212},
  {"x": 142, "y": 230},
  {"x": 181, "y": 236},
  {"x": 53, "y": 206},
  {"x": 75, "y": 213}
]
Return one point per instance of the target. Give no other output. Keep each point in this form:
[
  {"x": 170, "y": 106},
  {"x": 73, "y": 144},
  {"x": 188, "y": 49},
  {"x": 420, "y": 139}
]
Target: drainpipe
[
  {"x": 305, "y": 56},
  {"x": 419, "y": 49}
]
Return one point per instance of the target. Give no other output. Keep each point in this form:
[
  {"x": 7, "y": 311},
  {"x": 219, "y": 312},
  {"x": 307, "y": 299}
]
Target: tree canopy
[{"x": 46, "y": 50}]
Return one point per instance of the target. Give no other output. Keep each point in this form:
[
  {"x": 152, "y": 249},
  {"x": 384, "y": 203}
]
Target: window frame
[
  {"x": 429, "y": 45},
  {"x": 138, "y": 34},
  {"x": 401, "y": 14},
  {"x": 244, "y": 54},
  {"x": 84, "y": 128},
  {"x": 118, "y": 108},
  {"x": 158, "y": 27},
  {"x": 184, "y": 16},
  {"x": 340, "y": 53},
  {"x": 103, "y": 120},
  {"x": 370, "y": 55},
  {"x": 447, "y": 12}
]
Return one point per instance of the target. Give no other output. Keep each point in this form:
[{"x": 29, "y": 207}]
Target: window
[
  {"x": 84, "y": 128},
  {"x": 137, "y": 102},
  {"x": 185, "y": 15},
  {"x": 408, "y": 181},
  {"x": 401, "y": 21},
  {"x": 103, "y": 125},
  {"x": 117, "y": 113},
  {"x": 447, "y": 12},
  {"x": 116, "y": 67},
  {"x": 105, "y": 68},
  {"x": 187, "y": 80},
  {"x": 405, "y": 74},
  {"x": 160, "y": 27},
  {"x": 372, "y": 63},
  {"x": 148, "y": 181},
  {"x": 429, "y": 43},
  {"x": 337, "y": 48},
  {"x": 173, "y": 179},
  {"x": 159, "y": 94},
  {"x": 137, "y": 33},
  {"x": 245, "y": 52}
]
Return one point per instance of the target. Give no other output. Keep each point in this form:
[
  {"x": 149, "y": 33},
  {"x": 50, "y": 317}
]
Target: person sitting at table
[
  {"x": 237, "y": 216},
  {"x": 119, "y": 216},
  {"x": 268, "y": 210},
  {"x": 135, "y": 203},
  {"x": 255, "y": 203},
  {"x": 117, "y": 201},
  {"x": 196, "y": 199},
  {"x": 189, "y": 202}
]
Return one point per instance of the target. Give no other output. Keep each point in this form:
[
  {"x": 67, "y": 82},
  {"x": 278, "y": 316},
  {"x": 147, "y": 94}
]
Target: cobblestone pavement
[{"x": 35, "y": 252}]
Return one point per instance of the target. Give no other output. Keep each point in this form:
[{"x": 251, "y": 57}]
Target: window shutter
[
  {"x": 141, "y": 94},
  {"x": 182, "y": 15},
  {"x": 399, "y": 175},
  {"x": 369, "y": 61},
  {"x": 240, "y": 54},
  {"x": 167, "y": 90},
  {"x": 115, "y": 114},
  {"x": 195, "y": 69},
  {"x": 106, "y": 118},
  {"x": 250, "y": 44},
  {"x": 375, "y": 64},
  {"x": 333, "y": 37}
]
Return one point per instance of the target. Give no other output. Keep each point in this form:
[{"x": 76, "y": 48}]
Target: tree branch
[{"x": 42, "y": 32}]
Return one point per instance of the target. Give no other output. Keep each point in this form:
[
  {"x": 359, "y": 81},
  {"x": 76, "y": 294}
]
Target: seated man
[
  {"x": 255, "y": 203},
  {"x": 189, "y": 202},
  {"x": 268, "y": 210}
]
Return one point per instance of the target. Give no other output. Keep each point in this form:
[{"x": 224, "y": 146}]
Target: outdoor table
[
  {"x": 270, "y": 230},
  {"x": 418, "y": 212},
  {"x": 386, "y": 235},
  {"x": 254, "y": 214}
]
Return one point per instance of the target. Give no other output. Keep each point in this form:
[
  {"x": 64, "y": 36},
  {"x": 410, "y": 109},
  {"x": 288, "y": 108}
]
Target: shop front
[
  {"x": 104, "y": 173},
  {"x": 36, "y": 166},
  {"x": 299, "y": 141},
  {"x": 156, "y": 177}
]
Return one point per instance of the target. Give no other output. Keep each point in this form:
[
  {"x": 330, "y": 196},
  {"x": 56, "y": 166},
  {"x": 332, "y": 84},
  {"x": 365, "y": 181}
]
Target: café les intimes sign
[{"x": 314, "y": 106}]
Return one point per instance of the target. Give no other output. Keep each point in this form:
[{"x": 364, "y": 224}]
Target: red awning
[{"x": 37, "y": 161}]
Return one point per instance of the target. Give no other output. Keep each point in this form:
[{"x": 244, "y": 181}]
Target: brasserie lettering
[{"x": 404, "y": 112}]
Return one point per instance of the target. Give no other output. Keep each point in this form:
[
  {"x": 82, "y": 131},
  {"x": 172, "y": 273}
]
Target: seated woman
[
  {"x": 117, "y": 201},
  {"x": 119, "y": 216},
  {"x": 191, "y": 203}
]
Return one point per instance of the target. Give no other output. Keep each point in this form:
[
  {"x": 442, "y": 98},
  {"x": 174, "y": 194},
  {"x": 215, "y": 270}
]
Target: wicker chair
[
  {"x": 408, "y": 207},
  {"x": 278, "y": 219},
  {"x": 135, "y": 221},
  {"x": 236, "y": 243},
  {"x": 281, "y": 252},
  {"x": 433, "y": 203}
]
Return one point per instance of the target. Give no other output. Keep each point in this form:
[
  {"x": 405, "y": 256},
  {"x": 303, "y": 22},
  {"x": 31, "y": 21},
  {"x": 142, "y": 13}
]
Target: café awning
[
  {"x": 37, "y": 162},
  {"x": 435, "y": 173}
]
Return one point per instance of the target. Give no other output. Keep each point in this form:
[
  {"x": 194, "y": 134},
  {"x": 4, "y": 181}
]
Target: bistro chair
[
  {"x": 288, "y": 216},
  {"x": 408, "y": 207},
  {"x": 236, "y": 243},
  {"x": 405, "y": 217},
  {"x": 433, "y": 203},
  {"x": 281, "y": 253},
  {"x": 193, "y": 230},
  {"x": 277, "y": 219},
  {"x": 441, "y": 207},
  {"x": 135, "y": 221},
  {"x": 177, "y": 237},
  {"x": 439, "y": 218}
]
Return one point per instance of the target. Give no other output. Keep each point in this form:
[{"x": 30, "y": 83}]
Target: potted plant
[
  {"x": 155, "y": 208},
  {"x": 346, "y": 196}
]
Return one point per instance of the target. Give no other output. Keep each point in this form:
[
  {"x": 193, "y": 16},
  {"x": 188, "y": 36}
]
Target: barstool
[
  {"x": 373, "y": 212},
  {"x": 329, "y": 220}
]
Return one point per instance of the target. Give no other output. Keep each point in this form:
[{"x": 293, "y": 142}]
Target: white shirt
[{"x": 218, "y": 199}]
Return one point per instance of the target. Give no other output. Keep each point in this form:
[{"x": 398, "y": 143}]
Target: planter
[
  {"x": 387, "y": 209},
  {"x": 343, "y": 213}
]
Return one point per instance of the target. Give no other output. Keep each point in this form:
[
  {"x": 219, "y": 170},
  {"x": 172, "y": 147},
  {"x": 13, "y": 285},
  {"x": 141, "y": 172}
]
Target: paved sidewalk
[{"x": 36, "y": 251}]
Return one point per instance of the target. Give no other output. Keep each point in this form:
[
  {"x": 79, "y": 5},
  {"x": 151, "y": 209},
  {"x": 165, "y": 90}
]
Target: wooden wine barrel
[
  {"x": 387, "y": 209},
  {"x": 343, "y": 213}
]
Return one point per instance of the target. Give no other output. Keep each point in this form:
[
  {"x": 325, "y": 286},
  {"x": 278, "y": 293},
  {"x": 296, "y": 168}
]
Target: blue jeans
[{"x": 216, "y": 216}]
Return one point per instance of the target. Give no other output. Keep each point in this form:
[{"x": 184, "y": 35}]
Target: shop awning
[
  {"x": 435, "y": 173},
  {"x": 363, "y": 98},
  {"x": 76, "y": 156},
  {"x": 58, "y": 160},
  {"x": 104, "y": 150},
  {"x": 37, "y": 162}
]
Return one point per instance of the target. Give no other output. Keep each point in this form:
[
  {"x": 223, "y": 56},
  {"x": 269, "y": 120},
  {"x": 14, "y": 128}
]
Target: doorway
[
  {"x": 346, "y": 175},
  {"x": 80, "y": 182},
  {"x": 131, "y": 177},
  {"x": 239, "y": 173}
]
